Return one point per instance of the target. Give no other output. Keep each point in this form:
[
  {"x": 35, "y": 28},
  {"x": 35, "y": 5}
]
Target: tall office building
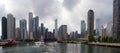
[
  {"x": 90, "y": 23},
  {"x": 109, "y": 29},
  {"x": 35, "y": 27},
  {"x": 104, "y": 31},
  {"x": 72, "y": 35},
  {"x": 39, "y": 33},
  {"x": 14, "y": 26},
  {"x": 62, "y": 33},
  {"x": 54, "y": 34},
  {"x": 4, "y": 28},
  {"x": 83, "y": 29},
  {"x": 23, "y": 29},
  {"x": 98, "y": 27},
  {"x": 116, "y": 19},
  {"x": 30, "y": 25},
  {"x": 56, "y": 29},
  {"x": 42, "y": 32},
  {"x": 42, "y": 29},
  {"x": 46, "y": 33},
  {"x": 10, "y": 27},
  {"x": 18, "y": 37}
]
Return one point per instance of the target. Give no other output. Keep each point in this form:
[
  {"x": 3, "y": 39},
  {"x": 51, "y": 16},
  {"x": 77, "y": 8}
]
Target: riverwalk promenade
[{"x": 105, "y": 44}]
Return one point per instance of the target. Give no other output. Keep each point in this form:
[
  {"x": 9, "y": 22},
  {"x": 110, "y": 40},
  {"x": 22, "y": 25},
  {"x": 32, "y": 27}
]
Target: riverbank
[{"x": 105, "y": 44}]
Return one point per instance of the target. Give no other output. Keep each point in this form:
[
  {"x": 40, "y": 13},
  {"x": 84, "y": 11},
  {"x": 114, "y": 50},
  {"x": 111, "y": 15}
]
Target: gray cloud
[
  {"x": 45, "y": 8},
  {"x": 70, "y": 4},
  {"x": 2, "y": 10},
  {"x": 68, "y": 12}
]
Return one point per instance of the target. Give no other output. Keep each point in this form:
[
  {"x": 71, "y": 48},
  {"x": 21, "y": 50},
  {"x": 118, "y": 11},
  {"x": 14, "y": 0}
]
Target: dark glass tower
[
  {"x": 4, "y": 28},
  {"x": 90, "y": 23},
  {"x": 116, "y": 18},
  {"x": 42, "y": 30},
  {"x": 35, "y": 27}
]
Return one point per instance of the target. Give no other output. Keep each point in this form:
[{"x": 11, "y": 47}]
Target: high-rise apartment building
[
  {"x": 90, "y": 23},
  {"x": 116, "y": 18},
  {"x": 30, "y": 25},
  {"x": 10, "y": 27}
]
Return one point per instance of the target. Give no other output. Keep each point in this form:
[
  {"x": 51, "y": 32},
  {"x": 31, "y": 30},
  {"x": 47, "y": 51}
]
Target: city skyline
[
  {"x": 60, "y": 26},
  {"x": 75, "y": 12}
]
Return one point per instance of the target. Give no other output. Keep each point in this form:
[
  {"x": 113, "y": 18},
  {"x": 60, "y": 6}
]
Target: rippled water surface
[{"x": 59, "y": 48}]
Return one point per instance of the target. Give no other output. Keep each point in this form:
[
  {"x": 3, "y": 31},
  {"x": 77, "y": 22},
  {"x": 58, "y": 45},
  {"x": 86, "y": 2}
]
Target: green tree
[{"x": 91, "y": 38}]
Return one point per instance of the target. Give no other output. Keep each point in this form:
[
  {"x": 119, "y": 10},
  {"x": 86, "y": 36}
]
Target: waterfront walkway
[{"x": 105, "y": 44}]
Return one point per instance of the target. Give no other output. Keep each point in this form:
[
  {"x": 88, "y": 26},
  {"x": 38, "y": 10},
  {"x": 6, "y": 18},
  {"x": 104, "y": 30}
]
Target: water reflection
[
  {"x": 62, "y": 48},
  {"x": 59, "y": 48},
  {"x": 98, "y": 49}
]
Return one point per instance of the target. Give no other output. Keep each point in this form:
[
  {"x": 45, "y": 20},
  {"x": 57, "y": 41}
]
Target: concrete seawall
[{"x": 105, "y": 44}]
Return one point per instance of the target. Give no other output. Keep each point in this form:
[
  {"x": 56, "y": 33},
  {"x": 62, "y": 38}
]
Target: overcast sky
[{"x": 69, "y": 12}]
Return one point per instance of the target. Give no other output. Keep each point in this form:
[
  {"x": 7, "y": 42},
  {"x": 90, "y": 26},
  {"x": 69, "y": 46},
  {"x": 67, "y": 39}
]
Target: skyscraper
[
  {"x": 14, "y": 26},
  {"x": 4, "y": 28},
  {"x": 30, "y": 25},
  {"x": 42, "y": 30},
  {"x": 62, "y": 33},
  {"x": 90, "y": 23},
  {"x": 46, "y": 33},
  {"x": 35, "y": 27},
  {"x": 23, "y": 29},
  {"x": 116, "y": 19},
  {"x": 104, "y": 32},
  {"x": 56, "y": 30},
  {"x": 18, "y": 37},
  {"x": 109, "y": 29},
  {"x": 83, "y": 29},
  {"x": 10, "y": 27},
  {"x": 98, "y": 27}
]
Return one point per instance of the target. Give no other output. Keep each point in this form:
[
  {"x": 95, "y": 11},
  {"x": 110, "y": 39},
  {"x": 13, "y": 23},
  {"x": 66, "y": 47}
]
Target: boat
[
  {"x": 39, "y": 43},
  {"x": 11, "y": 43}
]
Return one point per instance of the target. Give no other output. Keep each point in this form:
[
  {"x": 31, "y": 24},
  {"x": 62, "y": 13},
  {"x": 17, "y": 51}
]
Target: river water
[{"x": 59, "y": 48}]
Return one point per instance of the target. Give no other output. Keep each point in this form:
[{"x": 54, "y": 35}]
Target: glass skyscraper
[
  {"x": 83, "y": 29},
  {"x": 23, "y": 29},
  {"x": 35, "y": 27},
  {"x": 4, "y": 28}
]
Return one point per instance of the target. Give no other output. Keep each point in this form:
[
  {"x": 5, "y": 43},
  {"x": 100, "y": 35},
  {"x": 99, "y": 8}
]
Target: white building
[{"x": 10, "y": 27}]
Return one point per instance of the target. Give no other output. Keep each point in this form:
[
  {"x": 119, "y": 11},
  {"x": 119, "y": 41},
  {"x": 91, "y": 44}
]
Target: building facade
[
  {"x": 4, "y": 28},
  {"x": 83, "y": 29},
  {"x": 109, "y": 29},
  {"x": 35, "y": 27},
  {"x": 116, "y": 18},
  {"x": 56, "y": 29},
  {"x": 23, "y": 29},
  {"x": 30, "y": 25},
  {"x": 62, "y": 33},
  {"x": 98, "y": 27},
  {"x": 90, "y": 23},
  {"x": 10, "y": 27},
  {"x": 18, "y": 34},
  {"x": 104, "y": 31}
]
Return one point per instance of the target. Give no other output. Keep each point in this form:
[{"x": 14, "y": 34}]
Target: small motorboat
[{"x": 39, "y": 43}]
